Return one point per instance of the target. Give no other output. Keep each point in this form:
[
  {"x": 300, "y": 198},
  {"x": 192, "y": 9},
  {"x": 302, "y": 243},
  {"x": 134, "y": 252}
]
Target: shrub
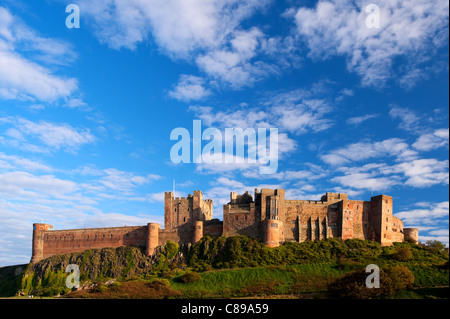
[
  {"x": 353, "y": 285},
  {"x": 189, "y": 277},
  {"x": 402, "y": 278},
  {"x": 171, "y": 249},
  {"x": 403, "y": 254},
  {"x": 434, "y": 245}
]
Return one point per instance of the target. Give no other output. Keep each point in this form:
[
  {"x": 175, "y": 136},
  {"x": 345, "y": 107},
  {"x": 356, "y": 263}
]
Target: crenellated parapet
[{"x": 267, "y": 216}]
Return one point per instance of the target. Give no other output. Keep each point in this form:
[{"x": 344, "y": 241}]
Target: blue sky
[{"x": 86, "y": 113}]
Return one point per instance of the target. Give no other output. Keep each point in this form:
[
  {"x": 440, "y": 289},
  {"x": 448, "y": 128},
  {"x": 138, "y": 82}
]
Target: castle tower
[
  {"x": 38, "y": 241},
  {"x": 411, "y": 235},
  {"x": 382, "y": 219},
  {"x": 198, "y": 231},
  {"x": 272, "y": 232},
  {"x": 168, "y": 210},
  {"x": 347, "y": 220},
  {"x": 197, "y": 202},
  {"x": 152, "y": 238}
]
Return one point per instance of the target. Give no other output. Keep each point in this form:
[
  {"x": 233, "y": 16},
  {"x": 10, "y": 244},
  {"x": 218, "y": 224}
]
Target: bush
[
  {"x": 353, "y": 285},
  {"x": 189, "y": 277},
  {"x": 403, "y": 254},
  {"x": 401, "y": 277},
  {"x": 171, "y": 249},
  {"x": 434, "y": 245}
]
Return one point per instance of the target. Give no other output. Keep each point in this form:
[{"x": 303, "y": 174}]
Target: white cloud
[
  {"x": 124, "y": 181},
  {"x": 418, "y": 173},
  {"x": 17, "y": 162},
  {"x": 25, "y": 79},
  {"x": 233, "y": 65},
  {"x": 407, "y": 28},
  {"x": 431, "y": 141},
  {"x": 18, "y": 184},
  {"x": 393, "y": 147},
  {"x": 422, "y": 172},
  {"x": 190, "y": 88},
  {"x": 366, "y": 181},
  {"x": 177, "y": 26},
  {"x": 409, "y": 120},
  {"x": 429, "y": 215},
  {"x": 208, "y": 33},
  {"x": 360, "y": 119},
  {"x": 51, "y": 136}
]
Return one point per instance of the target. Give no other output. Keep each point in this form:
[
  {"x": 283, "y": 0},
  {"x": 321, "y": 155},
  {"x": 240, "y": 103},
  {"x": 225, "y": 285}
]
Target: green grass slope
[{"x": 243, "y": 267}]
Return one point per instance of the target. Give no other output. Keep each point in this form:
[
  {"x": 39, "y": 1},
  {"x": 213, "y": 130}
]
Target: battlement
[
  {"x": 266, "y": 215},
  {"x": 334, "y": 197},
  {"x": 179, "y": 211}
]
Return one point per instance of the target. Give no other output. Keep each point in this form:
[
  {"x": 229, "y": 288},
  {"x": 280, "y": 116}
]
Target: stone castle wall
[{"x": 266, "y": 216}]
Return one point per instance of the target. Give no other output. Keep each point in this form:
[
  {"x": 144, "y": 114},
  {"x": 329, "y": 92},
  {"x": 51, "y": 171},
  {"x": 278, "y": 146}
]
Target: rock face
[
  {"x": 49, "y": 277},
  {"x": 123, "y": 261}
]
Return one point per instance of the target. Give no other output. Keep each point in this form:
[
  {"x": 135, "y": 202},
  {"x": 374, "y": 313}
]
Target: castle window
[
  {"x": 236, "y": 217},
  {"x": 274, "y": 225},
  {"x": 184, "y": 219},
  {"x": 387, "y": 219}
]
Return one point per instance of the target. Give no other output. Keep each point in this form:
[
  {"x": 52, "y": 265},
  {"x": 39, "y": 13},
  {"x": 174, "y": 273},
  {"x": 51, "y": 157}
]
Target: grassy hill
[{"x": 243, "y": 267}]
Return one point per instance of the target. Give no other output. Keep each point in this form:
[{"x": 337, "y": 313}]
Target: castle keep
[{"x": 266, "y": 215}]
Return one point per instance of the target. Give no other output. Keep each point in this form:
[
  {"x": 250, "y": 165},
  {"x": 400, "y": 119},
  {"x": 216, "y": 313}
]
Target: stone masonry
[{"x": 266, "y": 216}]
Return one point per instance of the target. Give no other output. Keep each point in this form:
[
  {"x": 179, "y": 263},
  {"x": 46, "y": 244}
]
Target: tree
[
  {"x": 434, "y": 245},
  {"x": 403, "y": 254}
]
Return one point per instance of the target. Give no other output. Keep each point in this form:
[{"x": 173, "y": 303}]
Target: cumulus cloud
[
  {"x": 393, "y": 147},
  {"x": 422, "y": 172},
  {"x": 407, "y": 28},
  {"x": 23, "y": 184},
  {"x": 207, "y": 33},
  {"x": 426, "y": 142},
  {"x": 418, "y": 173},
  {"x": 25, "y": 77},
  {"x": 190, "y": 88},
  {"x": 425, "y": 213},
  {"x": 177, "y": 26}
]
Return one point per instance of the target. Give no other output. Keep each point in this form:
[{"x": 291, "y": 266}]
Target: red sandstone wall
[
  {"x": 240, "y": 220},
  {"x": 169, "y": 234},
  {"x": 397, "y": 230},
  {"x": 213, "y": 228},
  {"x": 305, "y": 220},
  {"x": 76, "y": 240},
  {"x": 355, "y": 219}
]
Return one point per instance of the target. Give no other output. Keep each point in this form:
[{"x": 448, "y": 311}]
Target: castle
[{"x": 267, "y": 216}]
